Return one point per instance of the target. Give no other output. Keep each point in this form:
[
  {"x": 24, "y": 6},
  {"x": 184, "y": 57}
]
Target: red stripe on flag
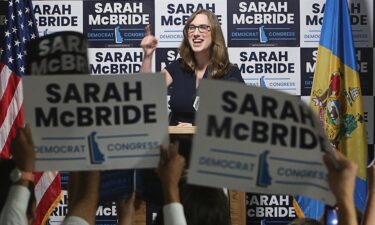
[
  {"x": 37, "y": 176},
  {"x": 18, "y": 122},
  {"x": 1, "y": 66},
  {"x": 8, "y": 95},
  {"x": 50, "y": 199},
  {"x": 19, "y": 14}
]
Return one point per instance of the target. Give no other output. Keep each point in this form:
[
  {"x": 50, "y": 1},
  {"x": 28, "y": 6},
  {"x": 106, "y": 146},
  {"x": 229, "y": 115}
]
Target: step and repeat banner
[{"x": 274, "y": 43}]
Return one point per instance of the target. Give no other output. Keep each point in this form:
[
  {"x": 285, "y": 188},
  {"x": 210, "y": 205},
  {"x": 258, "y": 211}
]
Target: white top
[
  {"x": 14, "y": 211},
  {"x": 173, "y": 214}
]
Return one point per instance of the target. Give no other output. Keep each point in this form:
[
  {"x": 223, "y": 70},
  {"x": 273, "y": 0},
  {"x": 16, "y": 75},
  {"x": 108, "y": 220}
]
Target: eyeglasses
[{"x": 203, "y": 28}]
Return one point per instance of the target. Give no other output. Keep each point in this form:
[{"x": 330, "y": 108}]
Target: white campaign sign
[
  {"x": 86, "y": 122},
  {"x": 258, "y": 140}
]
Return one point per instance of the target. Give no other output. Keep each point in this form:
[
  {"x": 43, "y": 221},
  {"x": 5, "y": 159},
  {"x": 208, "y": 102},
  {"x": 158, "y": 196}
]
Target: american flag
[{"x": 20, "y": 27}]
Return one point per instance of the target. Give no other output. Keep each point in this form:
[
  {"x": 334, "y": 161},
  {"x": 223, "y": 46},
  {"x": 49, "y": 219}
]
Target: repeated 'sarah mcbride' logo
[
  {"x": 178, "y": 14},
  {"x": 261, "y": 13},
  {"x": 116, "y": 13},
  {"x": 358, "y": 17},
  {"x": 61, "y": 210},
  {"x": 272, "y": 69},
  {"x": 115, "y": 62},
  {"x": 364, "y": 57},
  {"x": 263, "y": 23},
  {"x": 55, "y": 15},
  {"x": 264, "y": 62},
  {"x": 116, "y": 24},
  {"x": 316, "y": 18},
  {"x": 357, "y": 14},
  {"x": 269, "y": 209},
  {"x": 308, "y": 64},
  {"x": 165, "y": 56}
]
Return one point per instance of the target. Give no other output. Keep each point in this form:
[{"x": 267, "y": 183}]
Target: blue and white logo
[
  {"x": 116, "y": 23},
  {"x": 262, "y": 35},
  {"x": 262, "y": 82},
  {"x": 264, "y": 178},
  {"x": 263, "y": 23},
  {"x": 96, "y": 156},
  {"x": 118, "y": 38}
]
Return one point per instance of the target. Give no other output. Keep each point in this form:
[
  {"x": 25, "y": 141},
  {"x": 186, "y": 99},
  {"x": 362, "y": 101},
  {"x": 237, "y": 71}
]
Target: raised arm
[
  {"x": 148, "y": 44},
  {"x": 171, "y": 166},
  {"x": 341, "y": 175},
  {"x": 369, "y": 215},
  {"x": 23, "y": 152},
  {"x": 85, "y": 192},
  {"x": 17, "y": 208}
]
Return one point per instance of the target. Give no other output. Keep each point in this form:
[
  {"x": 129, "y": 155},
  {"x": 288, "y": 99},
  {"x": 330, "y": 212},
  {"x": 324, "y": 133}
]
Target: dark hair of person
[
  {"x": 205, "y": 205},
  {"x": 202, "y": 205},
  {"x": 220, "y": 64}
]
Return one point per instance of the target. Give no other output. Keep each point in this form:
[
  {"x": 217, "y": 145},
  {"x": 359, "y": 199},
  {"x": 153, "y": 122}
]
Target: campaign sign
[
  {"x": 364, "y": 58},
  {"x": 362, "y": 22},
  {"x": 311, "y": 22},
  {"x": 116, "y": 24},
  {"x": 104, "y": 61},
  {"x": 269, "y": 209},
  {"x": 368, "y": 112},
  {"x": 106, "y": 213},
  {"x": 53, "y": 16},
  {"x": 308, "y": 63},
  {"x": 276, "y": 68},
  {"x": 165, "y": 56},
  {"x": 258, "y": 140},
  {"x": 263, "y": 23},
  {"x": 96, "y": 122},
  {"x": 361, "y": 19}
]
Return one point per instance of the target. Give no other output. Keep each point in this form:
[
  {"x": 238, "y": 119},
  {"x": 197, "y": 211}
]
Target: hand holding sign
[
  {"x": 110, "y": 122},
  {"x": 341, "y": 179},
  {"x": 171, "y": 166},
  {"x": 22, "y": 147},
  {"x": 369, "y": 215},
  {"x": 342, "y": 182}
]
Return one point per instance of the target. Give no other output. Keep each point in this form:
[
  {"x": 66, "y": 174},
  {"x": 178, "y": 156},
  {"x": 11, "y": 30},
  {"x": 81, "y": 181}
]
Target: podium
[{"x": 236, "y": 199}]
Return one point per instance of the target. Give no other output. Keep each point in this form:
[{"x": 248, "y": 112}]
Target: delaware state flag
[{"x": 336, "y": 91}]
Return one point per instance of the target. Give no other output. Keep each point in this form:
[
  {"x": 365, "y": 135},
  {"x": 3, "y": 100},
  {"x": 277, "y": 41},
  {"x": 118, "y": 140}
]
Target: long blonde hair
[{"x": 220, "y": 64}]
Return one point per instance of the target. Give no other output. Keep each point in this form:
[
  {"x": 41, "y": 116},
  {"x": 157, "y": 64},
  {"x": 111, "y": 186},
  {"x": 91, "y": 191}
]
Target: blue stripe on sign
[
  {"x": 231, "y": 152},
  {"x": 224, "y": 175},
  {"x": 302, "y": 183}
]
